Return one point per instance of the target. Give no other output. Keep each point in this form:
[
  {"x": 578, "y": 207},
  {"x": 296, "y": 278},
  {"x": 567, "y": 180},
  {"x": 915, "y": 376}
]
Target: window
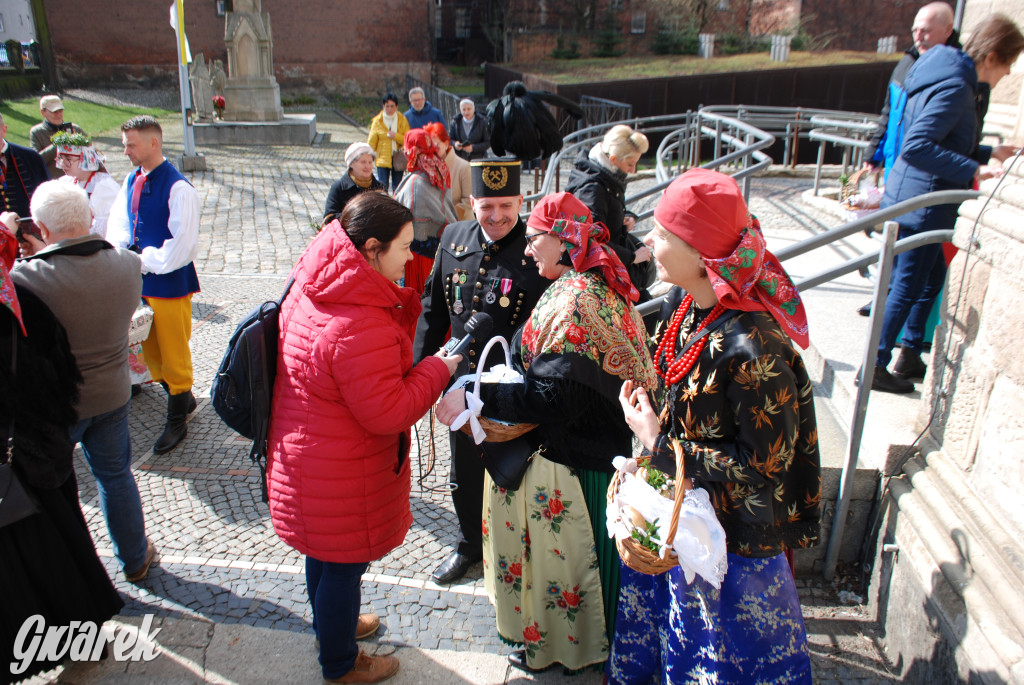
[
  {"x": 1, "y": 22},
  {"x": 221, "y": 8},
  {"x": 463, "y": 25},
  {"x": 639, "y": 23},
  {"x": 723, "y": 5},
  {"x": 616, "y": 5}
]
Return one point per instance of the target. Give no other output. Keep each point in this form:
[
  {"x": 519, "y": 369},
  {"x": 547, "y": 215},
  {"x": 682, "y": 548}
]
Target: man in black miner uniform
[
  {"x": 480, "y": 267},
  {"x": 21, "y": 171}
]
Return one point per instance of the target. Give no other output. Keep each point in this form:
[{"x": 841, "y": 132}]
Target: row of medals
[{"x": 489, "y": 297}]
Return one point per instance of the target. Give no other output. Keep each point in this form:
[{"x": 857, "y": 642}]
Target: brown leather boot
[{"x": 369, "y": 669}]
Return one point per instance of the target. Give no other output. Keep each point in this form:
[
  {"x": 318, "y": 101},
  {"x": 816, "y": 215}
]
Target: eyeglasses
[{"x": 531, "y": 237}]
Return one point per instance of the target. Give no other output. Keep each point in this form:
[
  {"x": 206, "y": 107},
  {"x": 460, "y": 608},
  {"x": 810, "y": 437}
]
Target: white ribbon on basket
[
  {"x": 502, "y": 373},
  {"x": 472, "y": 414}
]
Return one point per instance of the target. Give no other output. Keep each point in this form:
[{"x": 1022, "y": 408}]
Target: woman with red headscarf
[
  {"x": 549, "y": 568},
  {"x": 737, "y": 404},
  {"x": 427, "y": 192}
]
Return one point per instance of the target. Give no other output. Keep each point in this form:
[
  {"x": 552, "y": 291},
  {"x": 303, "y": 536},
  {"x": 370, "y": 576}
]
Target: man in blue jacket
[
  {"x": 933, "y": 26},
  {"x": 422, "y": 112}
]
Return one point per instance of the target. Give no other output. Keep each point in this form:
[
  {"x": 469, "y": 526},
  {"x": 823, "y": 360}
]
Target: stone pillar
[
  {"x": 252, "y": 92},
  {"x": 948, "y": 580}
]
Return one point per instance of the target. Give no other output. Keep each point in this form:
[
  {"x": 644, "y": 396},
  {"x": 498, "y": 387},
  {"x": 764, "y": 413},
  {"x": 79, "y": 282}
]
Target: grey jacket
[{"x": 94, "y": 297}]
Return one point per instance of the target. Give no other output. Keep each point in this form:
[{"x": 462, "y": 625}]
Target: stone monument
[
  {"x": 252, "y": 93},
  {"x": 202, "y": 91}
]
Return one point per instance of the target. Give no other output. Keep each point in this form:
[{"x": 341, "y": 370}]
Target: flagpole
[{"x": 183, "y": 85}]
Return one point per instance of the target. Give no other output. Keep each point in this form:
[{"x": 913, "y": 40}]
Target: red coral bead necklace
[{"x": 677, "y": 367}]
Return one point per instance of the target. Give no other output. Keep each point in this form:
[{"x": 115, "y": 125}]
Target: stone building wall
[{"x": 338, "y": 44}]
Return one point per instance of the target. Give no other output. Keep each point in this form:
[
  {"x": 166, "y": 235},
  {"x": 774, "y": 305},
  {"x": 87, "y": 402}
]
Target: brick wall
[
  {"x": 858, "y": 24},
  {"x": 332, "y": 42}
]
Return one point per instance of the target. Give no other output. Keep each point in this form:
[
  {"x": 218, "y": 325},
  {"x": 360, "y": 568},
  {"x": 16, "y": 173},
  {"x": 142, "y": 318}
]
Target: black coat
[
  {"x": 479, "y": 136},
  {"x": 464, "y": 252},
  {"x": 25, "y": 171},
  {"x": 604, "y": 193},
  {"x": 343, "y": 190}
]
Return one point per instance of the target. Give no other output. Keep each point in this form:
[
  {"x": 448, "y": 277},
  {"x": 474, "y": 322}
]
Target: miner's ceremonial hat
[{"x": 495, "y": 177}]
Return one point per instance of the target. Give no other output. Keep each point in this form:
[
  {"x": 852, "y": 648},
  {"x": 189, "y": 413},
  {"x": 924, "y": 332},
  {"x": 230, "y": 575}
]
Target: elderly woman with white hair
[
  {"x": 359, "y": 158},
  {"x": 598, "y": 180},
  {"x": 468, "y": 132}
]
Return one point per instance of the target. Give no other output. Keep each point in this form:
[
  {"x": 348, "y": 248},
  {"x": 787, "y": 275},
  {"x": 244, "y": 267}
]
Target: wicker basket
[
  {"x": 852, "y": 185},
  {"x": 635, "y": 555},
  {"x": 497, "y": 431}
]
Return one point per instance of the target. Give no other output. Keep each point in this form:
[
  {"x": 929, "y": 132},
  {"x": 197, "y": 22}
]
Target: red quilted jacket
[{"x": 345, "y": 398}]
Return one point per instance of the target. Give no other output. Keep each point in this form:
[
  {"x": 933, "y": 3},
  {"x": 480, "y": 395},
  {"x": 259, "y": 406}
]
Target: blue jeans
[
  {"x": 917, "y": 279},
  {"x": 383, "y": 174},
  {"x": 107, "y": 446},
  {"x": 334, "y": 595}
]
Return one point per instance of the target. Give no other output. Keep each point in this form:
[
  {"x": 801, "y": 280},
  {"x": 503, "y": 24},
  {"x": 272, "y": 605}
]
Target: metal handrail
[{"x": 744, "y": 142}]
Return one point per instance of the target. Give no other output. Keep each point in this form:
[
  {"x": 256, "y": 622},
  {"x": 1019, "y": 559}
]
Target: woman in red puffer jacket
[{"x": 345, "y": 398}]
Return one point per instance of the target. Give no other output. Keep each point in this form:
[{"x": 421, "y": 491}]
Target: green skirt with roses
[{"x": 541, "y": 567}]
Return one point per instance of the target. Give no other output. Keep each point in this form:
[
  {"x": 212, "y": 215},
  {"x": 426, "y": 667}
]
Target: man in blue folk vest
[{"x": 157, "y": 215}]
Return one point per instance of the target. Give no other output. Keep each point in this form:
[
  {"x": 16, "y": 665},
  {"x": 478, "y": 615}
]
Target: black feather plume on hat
[{"x": 521, "y": 124}]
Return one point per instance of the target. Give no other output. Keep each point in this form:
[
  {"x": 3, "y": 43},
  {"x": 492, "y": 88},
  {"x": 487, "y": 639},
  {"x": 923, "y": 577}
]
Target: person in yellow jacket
[{"x": 387, "y": 134}]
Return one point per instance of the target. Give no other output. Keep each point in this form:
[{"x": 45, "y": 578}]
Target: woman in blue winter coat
[{"x": 947, "y": 95}]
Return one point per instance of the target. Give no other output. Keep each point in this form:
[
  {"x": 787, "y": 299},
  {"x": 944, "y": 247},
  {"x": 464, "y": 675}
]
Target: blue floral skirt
[{"x": 750, "y": 631}]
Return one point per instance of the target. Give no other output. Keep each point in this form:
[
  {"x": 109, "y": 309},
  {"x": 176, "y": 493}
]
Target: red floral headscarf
[
  {"x": 422, "y": 154},
  {"x": 706, "y": 209},
  {"x": 8, "y": 297},
  {"x": 570, "y": 219}
]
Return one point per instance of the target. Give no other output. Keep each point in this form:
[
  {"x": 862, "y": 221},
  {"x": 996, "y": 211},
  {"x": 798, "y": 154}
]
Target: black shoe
[
  {"x": 886, "y": 382},
  {"x": 865, "y": 310},
  {"x": 518, "y": 659},
  {"x": 453, "y": 568},
  {"x": 136, "y": 389},
  {"x": 909, "y": 366},
  {"x": 178, "y": 408}
]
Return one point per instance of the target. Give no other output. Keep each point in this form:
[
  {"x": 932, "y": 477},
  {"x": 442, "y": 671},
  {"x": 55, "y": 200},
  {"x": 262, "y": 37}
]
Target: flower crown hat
[{"x": 78, "y": 145}]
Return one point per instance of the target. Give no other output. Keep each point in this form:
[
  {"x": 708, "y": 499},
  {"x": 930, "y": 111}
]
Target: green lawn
[
  {"x": 21, "y": 115},
  {"x": 627, "y": 68}
]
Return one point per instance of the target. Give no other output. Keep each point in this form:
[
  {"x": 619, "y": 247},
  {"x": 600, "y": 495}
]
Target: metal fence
[{"x": 600, "y": 111}]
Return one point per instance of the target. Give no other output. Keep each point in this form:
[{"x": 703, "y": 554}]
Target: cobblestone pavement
[{"x": 220, "y": 559}]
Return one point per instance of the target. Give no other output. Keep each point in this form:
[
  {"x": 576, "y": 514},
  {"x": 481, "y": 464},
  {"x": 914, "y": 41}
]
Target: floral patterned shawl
[{"x": 584, "y": 330}]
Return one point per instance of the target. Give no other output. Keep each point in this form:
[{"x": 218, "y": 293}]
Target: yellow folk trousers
[{"x": 166, "y": 350}]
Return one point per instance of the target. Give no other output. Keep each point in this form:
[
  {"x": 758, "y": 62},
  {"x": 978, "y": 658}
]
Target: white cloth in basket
[
  {"x": 502, "y": 373},
  {"x": 699, "y": 543}
]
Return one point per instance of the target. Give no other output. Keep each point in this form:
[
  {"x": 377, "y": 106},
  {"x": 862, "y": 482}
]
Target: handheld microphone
[{"x": 479, "y": 326}]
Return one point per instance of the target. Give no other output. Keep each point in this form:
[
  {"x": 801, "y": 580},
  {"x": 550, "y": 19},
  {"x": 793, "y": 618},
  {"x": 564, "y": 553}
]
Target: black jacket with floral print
[{"x": 744, "y": 419}]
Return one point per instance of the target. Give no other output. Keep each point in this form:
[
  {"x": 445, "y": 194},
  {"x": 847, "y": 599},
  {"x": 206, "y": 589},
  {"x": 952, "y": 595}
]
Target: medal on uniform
[
  {"x": 457, "y": 306},
  {"x": 506, "y": 288},
  {"x": 463, "y": 277},
  {"x": 490, "y": 297}
]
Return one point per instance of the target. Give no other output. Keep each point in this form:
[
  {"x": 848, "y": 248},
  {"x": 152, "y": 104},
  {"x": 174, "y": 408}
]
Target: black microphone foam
[{"x": 478, "y": 327}]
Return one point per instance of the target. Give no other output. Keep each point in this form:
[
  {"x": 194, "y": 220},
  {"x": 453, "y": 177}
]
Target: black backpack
[{"x": 242, "y": 388}]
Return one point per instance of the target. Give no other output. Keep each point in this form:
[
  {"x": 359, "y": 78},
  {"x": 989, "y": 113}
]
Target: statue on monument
[
  {"x": 218, "y": 78},
  {"x": 202, "y": 91}
]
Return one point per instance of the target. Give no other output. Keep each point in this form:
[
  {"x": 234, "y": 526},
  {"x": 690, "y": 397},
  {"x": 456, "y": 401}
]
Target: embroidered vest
[{"x": 150, "y": 230}]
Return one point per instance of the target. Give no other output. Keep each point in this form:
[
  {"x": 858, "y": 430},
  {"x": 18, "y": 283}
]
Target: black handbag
[
  {"x": 16, "y": 502},
  {"x": 506, "y": 462}
]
